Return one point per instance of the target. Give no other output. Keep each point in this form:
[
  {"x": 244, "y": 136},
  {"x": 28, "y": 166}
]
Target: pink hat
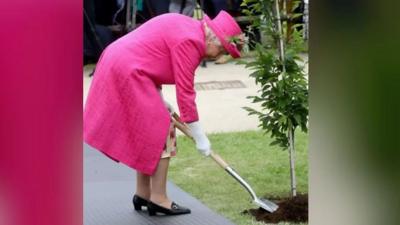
[{"x": 225, "y": 27}]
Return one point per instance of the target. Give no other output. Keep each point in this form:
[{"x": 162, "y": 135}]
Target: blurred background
[{"x": 107, "y": 20}]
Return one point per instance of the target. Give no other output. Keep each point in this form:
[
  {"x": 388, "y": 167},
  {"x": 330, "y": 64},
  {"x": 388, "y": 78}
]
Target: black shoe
[
  {"x": 175, "y": 209},
  {"x": 138, "y": 202}
]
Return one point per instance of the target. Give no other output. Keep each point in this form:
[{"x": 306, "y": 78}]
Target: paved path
[{"x": 108, "y": 190}]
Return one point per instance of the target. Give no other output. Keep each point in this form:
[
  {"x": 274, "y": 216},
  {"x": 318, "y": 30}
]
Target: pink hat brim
[{"x": 230, "y": 48}]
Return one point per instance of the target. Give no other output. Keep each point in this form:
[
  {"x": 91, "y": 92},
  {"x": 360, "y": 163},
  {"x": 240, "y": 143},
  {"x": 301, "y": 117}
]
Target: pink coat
[{"x": 124, "y": 115}]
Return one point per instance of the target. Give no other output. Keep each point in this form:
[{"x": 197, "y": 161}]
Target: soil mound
[{"x": 290, "y": 210}]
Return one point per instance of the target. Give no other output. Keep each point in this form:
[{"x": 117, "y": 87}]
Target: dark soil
[{"x": 290, "y": 210}]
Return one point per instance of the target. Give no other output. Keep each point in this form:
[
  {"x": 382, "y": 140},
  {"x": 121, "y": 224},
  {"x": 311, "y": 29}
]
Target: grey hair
[{"x": 210, "y": 36}]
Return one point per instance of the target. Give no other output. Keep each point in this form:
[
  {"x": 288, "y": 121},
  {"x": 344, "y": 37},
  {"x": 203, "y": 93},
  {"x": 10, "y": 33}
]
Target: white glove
[{"x": 202, "y": 142}]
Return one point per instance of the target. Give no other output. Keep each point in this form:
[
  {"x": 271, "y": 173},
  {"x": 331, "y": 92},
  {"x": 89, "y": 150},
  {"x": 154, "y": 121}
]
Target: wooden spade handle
[
  {"x": 185, "y": 129},
  {"x": 219, "y": 160}
]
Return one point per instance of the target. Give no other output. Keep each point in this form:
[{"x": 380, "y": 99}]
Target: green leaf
[
  {"x": 296, "y": 15},
  {"x": 298, "y": 119},
  {"x": 252, "y": 111},
  {"x": 276, "y": 142}
]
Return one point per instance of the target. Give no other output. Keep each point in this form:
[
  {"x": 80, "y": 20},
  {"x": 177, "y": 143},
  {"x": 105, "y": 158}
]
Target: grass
[{"x": 265, "y": 168}]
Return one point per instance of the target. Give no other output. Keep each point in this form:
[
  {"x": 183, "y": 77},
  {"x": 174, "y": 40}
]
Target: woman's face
[{"x": 214, "y": 50}]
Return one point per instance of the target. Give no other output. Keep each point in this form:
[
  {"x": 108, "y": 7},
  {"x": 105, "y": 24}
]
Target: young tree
[{"x": 283, "y": 93}]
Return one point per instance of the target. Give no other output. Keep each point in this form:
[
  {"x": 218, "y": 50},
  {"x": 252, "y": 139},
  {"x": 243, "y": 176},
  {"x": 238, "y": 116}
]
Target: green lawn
[{"x": 265, "y": 168}]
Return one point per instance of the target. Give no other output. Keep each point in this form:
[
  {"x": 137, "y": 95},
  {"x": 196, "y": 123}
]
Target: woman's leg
[
  {"x": 143, "y": 188},
  {"x": 159, "y": 184}
]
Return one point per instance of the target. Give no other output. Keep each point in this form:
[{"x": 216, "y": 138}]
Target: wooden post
[
  {"x": 292, "y": 155},
  {"x": 281, "y": 45}
]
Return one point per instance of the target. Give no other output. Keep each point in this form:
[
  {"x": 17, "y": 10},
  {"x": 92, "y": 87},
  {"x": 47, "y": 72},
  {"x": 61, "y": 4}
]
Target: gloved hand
[{"x": 202, "y": 142}]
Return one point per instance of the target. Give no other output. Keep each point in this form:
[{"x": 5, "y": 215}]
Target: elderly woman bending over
[{"x": 125, "y": 116}]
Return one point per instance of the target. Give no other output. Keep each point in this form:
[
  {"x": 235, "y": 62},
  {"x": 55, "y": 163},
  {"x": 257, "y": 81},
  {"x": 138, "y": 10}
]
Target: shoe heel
[
  {"x": 138, "y": 202},
  {"x": 137, "y": 206}
]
